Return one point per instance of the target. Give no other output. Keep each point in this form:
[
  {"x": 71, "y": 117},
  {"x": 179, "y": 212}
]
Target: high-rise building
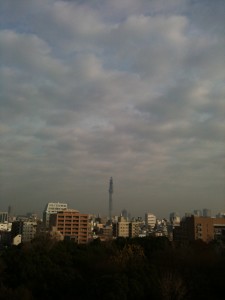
[
  {"x": 71, "y": 224},
  {"x": 52, "y": 208},
  {"x": 150, "y": 219}
]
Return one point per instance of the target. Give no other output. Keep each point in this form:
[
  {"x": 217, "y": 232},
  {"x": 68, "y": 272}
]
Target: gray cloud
[{"x": 129, "y": 89}]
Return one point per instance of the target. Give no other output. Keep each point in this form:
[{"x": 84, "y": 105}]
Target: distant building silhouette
[
  {"x": 197, "y": 212},
  {"x": 207, "y": 212}
]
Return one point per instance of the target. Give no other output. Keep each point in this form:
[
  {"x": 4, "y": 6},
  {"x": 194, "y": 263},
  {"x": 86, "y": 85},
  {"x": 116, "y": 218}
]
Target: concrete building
[
  {"x": 134, "y": 229},
  {"x": 124, "y": 228},
  {"x": 29, "y": 231},
  {"x": 71, "y": 224},
  {"x": 52, "y": 208},
  {"x": 105, "y": 233},
  {"x": 204, "y": 228},
  {"x": 150, "y": 220},
  {"x": 26, "y": 229},
  {"x": 121, "y": 228}
]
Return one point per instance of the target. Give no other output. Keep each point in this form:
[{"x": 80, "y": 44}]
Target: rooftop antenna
[{"x": 110, "y": 198}]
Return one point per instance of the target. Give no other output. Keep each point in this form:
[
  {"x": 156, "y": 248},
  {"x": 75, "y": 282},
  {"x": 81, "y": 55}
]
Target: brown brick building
[
  {"x": 204, "y": 228},
  {"x": 72, "y": 225}
]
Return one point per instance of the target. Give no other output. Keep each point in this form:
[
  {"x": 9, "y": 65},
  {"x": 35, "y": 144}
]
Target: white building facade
[{"x": 52, "y": 208}]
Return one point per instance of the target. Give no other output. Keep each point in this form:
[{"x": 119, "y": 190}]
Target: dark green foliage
[{"x": 140, "y": 268}]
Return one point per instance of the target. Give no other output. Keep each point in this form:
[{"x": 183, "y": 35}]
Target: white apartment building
[
  {"x": 52, "y": 208},
  {"x": 150, "y": 219}
]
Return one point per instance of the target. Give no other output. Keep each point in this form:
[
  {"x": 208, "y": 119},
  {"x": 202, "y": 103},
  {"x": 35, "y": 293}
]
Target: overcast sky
[{"x": 132, "y": 89}]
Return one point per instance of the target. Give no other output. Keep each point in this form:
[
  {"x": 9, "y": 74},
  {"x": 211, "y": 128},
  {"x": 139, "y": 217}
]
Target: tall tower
[{"x": 110, "y": 198}]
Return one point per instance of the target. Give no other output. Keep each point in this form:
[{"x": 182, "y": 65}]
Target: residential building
[
  {"x": 71, "y": 224},
  {"x": 105, "y": 233},
  {"x": 29, "y": 231},
  {"x": 121, "y": 228},
  {"x": 134, "y": 229},
  {"x": 204, "y": 228},
  {"x": 124, "y": 228}
]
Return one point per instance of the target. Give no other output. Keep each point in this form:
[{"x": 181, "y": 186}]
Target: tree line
[{"x": 137, "y": 268}]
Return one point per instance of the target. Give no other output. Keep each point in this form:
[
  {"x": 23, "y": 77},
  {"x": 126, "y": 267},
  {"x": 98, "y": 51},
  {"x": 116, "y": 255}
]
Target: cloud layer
[{"x": 129, "y": 89}]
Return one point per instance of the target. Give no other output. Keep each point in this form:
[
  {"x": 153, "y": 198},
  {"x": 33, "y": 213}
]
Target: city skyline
[
  {"x": 204, "y": 212},
  {"x": 128, "y": 89}
]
